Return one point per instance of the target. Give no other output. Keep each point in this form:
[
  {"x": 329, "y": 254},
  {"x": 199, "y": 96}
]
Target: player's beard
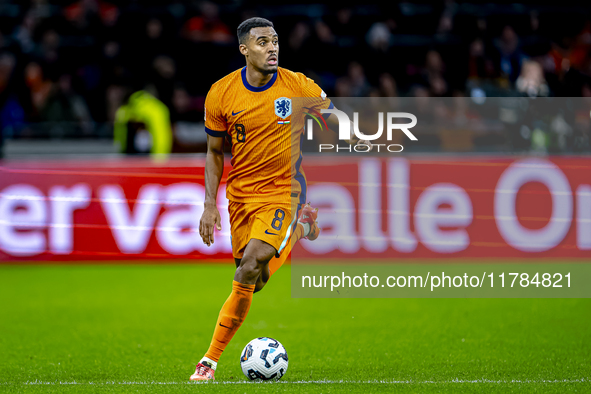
[
  {"x": 266, "y": 70},
  {"x": 270, "y": 69}
]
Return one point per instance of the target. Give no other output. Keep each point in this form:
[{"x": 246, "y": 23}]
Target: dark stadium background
[{"x": 64, "y": 66}]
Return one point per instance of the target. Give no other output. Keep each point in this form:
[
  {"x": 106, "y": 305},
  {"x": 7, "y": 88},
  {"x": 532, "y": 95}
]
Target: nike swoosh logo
[
  {"x": 221, "y": 325},
  {"x": 267, "y": 232},
  {"x": 236, "y": 113}
]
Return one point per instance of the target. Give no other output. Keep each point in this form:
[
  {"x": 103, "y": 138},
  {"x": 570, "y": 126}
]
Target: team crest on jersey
[{"x": 283, "y": 107}]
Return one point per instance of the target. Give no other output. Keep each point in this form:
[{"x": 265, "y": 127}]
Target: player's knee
[
  {"x": 254, "y": 262},
  {"x": 249, "y": 263},
  {"x": 251, "y": 267}
]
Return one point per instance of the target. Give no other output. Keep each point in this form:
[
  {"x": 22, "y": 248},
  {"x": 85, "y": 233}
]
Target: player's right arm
[
  {"x": 215, "y": 127},
  {"x": 214, "y": 168}
]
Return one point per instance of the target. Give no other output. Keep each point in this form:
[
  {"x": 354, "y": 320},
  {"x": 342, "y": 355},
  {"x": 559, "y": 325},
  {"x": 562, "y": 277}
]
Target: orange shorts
[{"x": 271, "y": 222}]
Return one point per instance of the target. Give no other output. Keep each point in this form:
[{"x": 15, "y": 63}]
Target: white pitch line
[{"x": 454, "y": 381}]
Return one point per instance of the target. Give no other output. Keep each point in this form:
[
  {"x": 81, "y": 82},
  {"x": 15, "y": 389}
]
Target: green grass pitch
[{"x": 142, "y": 328}]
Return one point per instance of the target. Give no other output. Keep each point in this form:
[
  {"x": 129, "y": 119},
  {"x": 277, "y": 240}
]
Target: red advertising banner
[
  {"x": 106, "y": 210},
  {"x": 475, "y": 207},
  {"x": 472, "y": 207}
]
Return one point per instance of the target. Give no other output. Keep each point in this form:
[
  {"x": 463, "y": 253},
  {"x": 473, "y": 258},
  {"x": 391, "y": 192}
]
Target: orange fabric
[
  {"x": 230, "y": 318},
  {"x": 269, "y": 222},
  {"x": 265, "y": 154},
  {"x": 272, "y": 223},
  {"x": 277, "y": 262}
]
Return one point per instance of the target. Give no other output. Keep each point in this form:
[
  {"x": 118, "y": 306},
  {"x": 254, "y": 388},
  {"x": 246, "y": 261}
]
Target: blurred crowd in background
[{"x": 66, "y": 67}]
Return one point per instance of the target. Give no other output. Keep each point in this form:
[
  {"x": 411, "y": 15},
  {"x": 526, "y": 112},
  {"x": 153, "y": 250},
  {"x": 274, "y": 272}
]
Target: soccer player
[{"x": 266, "y": 187}]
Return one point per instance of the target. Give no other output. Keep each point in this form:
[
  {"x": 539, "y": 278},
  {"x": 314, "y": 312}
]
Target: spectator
[
  {"x": 387, "y": 86},
  {"x": 480, "y": 67},
  {"x": 163, "y": 78},
  {"x": 154, "y": 42},
  {"x": 343, "y": 87},
  {"x": 357, "y": 80},
  {"x": 184, "y": 107},
  {"x": 379, "y": 55},
  {"x": 187, "y": 121},
  {"x": 142, "y": 125},
  {"x": 298, "y": 42},
  {"x": 84, "y": 17},
  {"x": 7, "y": 65},
  {"x": 40, "y": 89},
  {"x": 324, "y": 33},
  {"x": 48, "y": 49},
  {"x": 64, "y": 105},
  {"x": 531, "y": 80},
  {"x": 344, "y": 26},
  {"x": 12, "y": 114},
  {"x": 23, "y": 34},
  {"x": 510, "y": 55},
  {"x": 434, "y": 74},
  {"x": 208, "y": 27},
  {"x": 446, "y": 21},
  {"x": 378, "y": 37}
]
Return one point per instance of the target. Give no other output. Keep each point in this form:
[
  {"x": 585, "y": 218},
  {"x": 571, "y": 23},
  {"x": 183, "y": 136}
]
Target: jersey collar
[{"x": 254, "y": 88}]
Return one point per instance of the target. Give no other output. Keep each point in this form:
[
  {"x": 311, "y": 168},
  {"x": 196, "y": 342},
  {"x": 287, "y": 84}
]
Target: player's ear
[{"x": 243, "y": 49}]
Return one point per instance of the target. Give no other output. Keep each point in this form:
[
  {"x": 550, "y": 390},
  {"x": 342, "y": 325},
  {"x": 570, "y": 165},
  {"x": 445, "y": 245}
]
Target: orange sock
[
  {"x": 230, "y": 319},
  {"x": 277, "y": 262}
]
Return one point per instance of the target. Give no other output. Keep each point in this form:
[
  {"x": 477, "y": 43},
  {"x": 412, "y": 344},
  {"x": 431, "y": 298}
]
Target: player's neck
[{"x": 256, "y": 78}]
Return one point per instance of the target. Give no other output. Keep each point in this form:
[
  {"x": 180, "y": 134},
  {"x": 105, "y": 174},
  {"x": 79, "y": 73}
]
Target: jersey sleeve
[
  {"x": 215, "y": 122},
  {"x": 317, "y": 98}
]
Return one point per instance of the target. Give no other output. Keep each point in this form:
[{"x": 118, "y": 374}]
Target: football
[{"x": 264, "y": 359}]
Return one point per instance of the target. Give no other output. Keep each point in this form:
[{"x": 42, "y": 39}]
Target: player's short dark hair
[{"x": 244, "y": 28}]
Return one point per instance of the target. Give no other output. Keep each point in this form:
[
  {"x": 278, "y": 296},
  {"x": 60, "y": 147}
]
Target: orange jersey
[{"x": 266, "y": 153}]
